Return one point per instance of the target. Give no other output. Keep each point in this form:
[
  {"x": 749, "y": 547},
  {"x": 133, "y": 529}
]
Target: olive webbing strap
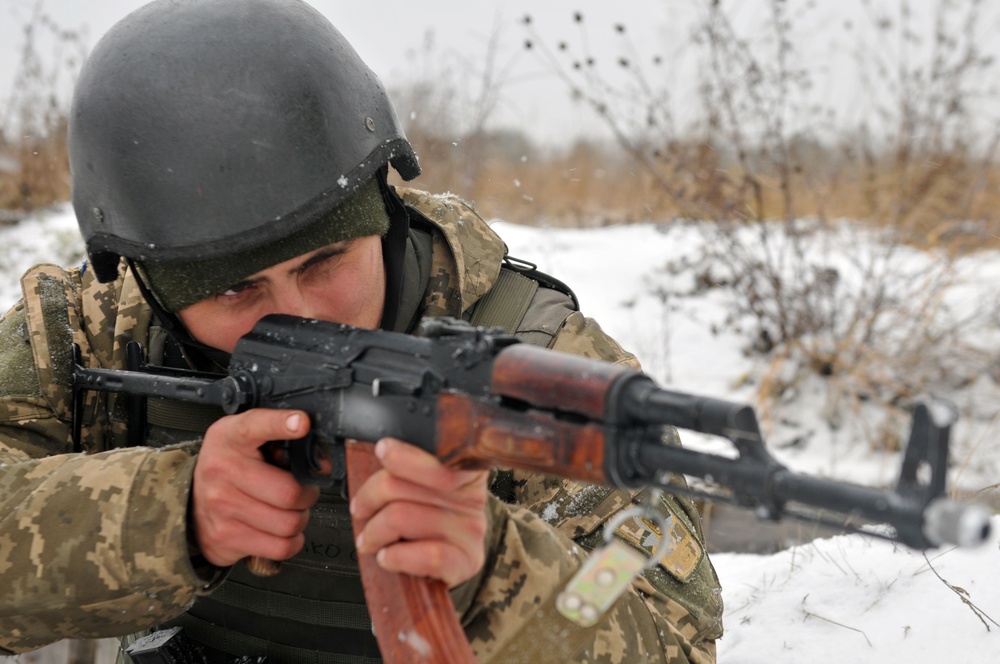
[
  {"x": 181, "y": 415},
  {"x": 323, "y": 613},
  {"x": 506, "y": 303}
]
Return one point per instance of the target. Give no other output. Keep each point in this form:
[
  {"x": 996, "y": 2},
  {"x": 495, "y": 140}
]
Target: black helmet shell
[{"x": 201, "y": 128}]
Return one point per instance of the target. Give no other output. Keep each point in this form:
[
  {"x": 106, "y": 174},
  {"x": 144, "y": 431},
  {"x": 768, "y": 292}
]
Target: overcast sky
[{"x": 390, "y": 36}]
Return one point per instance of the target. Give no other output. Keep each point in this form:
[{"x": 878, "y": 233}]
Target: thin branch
[
  {"x": 810, "y": 614},
  {"x": 963, "y": 595}
]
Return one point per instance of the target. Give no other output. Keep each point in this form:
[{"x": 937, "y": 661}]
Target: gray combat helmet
[{"x": 202, "y": 128}]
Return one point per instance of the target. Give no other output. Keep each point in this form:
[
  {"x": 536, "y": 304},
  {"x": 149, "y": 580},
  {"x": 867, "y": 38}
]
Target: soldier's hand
[
  {"x": 241, "y": 504},
  {"x": 421, "y": 517}
]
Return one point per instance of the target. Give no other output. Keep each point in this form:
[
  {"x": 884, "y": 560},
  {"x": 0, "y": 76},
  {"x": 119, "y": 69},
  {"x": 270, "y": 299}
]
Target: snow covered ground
[{"x": 849, "y": 598}]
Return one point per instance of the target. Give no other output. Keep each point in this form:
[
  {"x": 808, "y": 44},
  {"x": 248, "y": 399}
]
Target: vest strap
[
  {"x": 239, "y": 644},
  {"x": 325, "y": 613}
]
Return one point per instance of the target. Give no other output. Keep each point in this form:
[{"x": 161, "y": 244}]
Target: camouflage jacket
[{"x": 94, "y": 544}]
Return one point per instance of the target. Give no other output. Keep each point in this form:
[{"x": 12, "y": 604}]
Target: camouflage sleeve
[
  {"x": 670, "y": 615},
  {"x": 90, "y": 545}
]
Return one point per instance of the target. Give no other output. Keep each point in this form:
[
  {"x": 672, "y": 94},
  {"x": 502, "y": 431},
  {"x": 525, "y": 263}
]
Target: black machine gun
[{"x": 476, "y": 397}]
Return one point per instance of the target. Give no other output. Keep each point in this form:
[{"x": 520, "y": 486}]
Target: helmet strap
[
  {"x": 393, "y": 249},
  {"x": 171, "y": 322}
]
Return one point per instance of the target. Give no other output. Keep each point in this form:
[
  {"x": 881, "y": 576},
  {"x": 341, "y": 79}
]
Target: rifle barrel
[{"x": 771, "y": 486}]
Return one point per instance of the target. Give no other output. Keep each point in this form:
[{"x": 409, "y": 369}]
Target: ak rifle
[{"x": 477, "y": 398}]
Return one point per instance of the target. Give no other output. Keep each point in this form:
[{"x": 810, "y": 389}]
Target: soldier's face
[{"x": 341, "y": 283}]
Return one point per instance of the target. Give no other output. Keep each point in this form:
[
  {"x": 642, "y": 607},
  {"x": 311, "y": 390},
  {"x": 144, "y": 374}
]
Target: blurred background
[{"x": 586, "y": 113}]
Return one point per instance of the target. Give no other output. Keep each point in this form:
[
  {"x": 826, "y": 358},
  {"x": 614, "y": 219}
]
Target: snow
[
  {"x": 856, "y": 599},
  {"x": 849, "y": 598}
]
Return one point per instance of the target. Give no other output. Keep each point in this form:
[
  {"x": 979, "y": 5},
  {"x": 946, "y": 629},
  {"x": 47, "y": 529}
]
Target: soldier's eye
[{"x": 236, "y": 289}]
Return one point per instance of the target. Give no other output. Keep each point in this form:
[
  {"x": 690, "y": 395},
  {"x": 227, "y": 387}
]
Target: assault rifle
[{"x": 477, "y": 398}]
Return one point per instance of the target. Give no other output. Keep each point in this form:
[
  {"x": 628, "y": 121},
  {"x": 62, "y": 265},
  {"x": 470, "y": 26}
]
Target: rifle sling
[{"x": 506, "y": 303}]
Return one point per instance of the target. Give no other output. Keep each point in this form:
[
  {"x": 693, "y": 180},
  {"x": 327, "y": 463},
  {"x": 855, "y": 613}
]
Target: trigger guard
[{"x": 304, "y": 462}]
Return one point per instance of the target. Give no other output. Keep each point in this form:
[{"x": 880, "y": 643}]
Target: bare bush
[
  {"x": 776, "y": 167},
  {"x": 35, "y": 171}
]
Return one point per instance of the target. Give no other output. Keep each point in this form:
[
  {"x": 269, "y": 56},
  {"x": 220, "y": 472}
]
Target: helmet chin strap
[
  {"x": 171, "y": 322},
  {"x": 393, "y": 250}
]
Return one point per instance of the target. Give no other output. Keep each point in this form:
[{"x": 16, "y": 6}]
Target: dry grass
[
  {"x": 39, "y": 173},
  {"x": 34, "y": 170},
  {"x": 957, "y": 207},
  {"x": 933, "y": 193},
  {"x": 949, "y": 201}
]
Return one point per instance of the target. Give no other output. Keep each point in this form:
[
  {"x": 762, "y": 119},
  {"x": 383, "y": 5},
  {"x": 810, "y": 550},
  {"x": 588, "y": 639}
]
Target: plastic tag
[{"x": 598, "y": 584}]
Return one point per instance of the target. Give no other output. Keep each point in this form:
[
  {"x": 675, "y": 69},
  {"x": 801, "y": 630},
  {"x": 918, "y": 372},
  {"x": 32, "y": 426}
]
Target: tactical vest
[{"x": 314, "y": 611}]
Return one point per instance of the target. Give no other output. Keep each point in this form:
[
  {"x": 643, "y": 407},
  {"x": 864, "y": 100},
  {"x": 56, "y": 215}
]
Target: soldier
[{"x": 229, "y": 160}]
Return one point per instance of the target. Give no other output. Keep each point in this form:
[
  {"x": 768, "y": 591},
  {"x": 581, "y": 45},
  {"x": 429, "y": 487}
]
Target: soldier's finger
[
  {"x": 415, "y": 522},
  {"x": 219, "y": 472},
  {"x": 252, "y": 542},
  {"x": 271, "y": 521},
  {"x": 432, "y": 559},
  {"x": 250, "y": 430},
  {"x": 383, "y": 488},
  {"x": 275, "y": 487},
  {"x": 421, "y": 467}
]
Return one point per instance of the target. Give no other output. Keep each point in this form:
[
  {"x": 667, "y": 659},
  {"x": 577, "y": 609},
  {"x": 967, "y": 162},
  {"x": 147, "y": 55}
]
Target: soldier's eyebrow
[
  {"x": 325, "y": 253},
  {"x": 322, "y": 254}
]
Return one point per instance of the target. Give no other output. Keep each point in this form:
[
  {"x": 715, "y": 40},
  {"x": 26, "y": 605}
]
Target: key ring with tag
[{"x": 610, "y": 569}]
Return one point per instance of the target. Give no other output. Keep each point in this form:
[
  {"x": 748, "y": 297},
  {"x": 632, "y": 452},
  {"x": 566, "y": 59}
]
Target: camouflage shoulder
[
  {"x": 28, "y": 426},
  {"x": 62, "y": 308},
  {"x": 583, "y": 336},
  {"x": 475, "y": 251},
  {"x": 52, "y": 325},
  {"x": 113, "y": 314}
]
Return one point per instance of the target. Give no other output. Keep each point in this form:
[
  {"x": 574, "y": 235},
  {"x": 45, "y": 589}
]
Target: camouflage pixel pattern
[
  {"x": 68, "y": 572},
  {"x": 467, "y": 253},
  {"x": 124, "y": 564},
  {"x": 502, "y": 621}
]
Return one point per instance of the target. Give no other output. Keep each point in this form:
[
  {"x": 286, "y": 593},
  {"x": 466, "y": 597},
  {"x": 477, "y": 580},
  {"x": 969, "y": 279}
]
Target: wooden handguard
[
  {"x": 559, "y": 381},
  {"x": 561, "y": 433},
  {"x": 413, "y": 619},
  {"x": 475, "y": 434}
]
